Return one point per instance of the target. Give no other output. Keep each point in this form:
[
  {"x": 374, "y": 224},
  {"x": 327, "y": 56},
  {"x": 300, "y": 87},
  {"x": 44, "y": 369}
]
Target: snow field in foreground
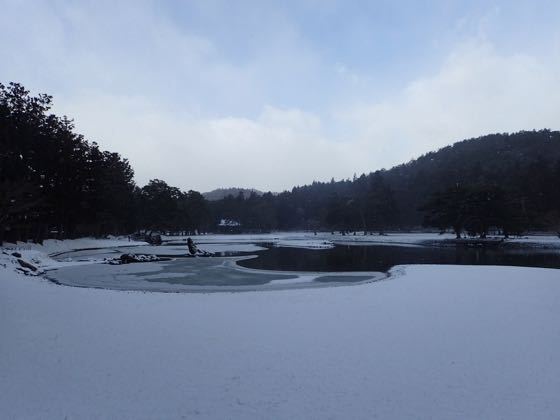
[{"x": 435, "y": 342}]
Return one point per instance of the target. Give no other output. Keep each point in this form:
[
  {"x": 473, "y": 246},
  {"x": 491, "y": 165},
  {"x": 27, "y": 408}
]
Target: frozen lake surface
[
  {"x": 258, "y": 262},
  {"x": 196, "y": 275}
]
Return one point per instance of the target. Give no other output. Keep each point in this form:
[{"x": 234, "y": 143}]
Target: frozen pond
[
  {"x": 261, "y": 266},
  {"x": 200, "y": 274}
]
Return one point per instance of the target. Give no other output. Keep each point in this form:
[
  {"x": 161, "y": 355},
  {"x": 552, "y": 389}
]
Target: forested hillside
[
  {"x": 55, "y": 183},
  {"x": 518, "y": 173},
  {"x": 526, "y": 164}
]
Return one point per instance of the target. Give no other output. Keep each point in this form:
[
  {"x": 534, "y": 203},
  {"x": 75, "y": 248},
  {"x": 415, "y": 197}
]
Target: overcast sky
[{"x": 206, "y": 94}]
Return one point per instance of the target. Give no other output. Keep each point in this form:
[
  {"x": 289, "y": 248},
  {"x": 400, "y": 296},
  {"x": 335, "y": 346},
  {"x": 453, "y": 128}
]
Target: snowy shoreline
[
  {"x": 77, "y": 261},
  {"x": 209, "y": 275}
]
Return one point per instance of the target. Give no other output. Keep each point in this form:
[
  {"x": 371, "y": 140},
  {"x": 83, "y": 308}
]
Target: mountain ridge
[{"x": 221, "y": 193}]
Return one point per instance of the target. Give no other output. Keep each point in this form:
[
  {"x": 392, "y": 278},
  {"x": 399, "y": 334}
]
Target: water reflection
[{"x": 383, "y": 257}]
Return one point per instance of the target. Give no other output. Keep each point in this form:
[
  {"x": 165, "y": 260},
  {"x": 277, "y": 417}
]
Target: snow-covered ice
[{"x": 214, "y": 274}]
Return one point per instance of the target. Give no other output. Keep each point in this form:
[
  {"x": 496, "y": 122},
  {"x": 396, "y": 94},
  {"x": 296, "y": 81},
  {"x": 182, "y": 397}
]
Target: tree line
[{"x": 55, "y": 183}]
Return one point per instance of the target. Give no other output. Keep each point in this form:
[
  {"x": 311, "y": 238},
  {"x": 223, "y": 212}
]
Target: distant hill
[
  {"x": 525, "y": 165},
  {"x": 527, "y": 162},
  {"x": 221, "y": 193}
]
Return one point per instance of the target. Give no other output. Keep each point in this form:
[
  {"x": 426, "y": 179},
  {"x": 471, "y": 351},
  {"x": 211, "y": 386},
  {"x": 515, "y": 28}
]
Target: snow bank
[
  {"x": 391, "y": 238},
  {"x": 54, "y": 246},
  {"x": 435, "y": 342},
  {"x": 230, "y": 247},
  {"x": 43, "y": 256},
  {"x": 306, "y": 244},
  {"x": 237, "y": 238},
  {"x": 182, "y": 250},
  {"x": 298, "y": 239},
  {"x": 539, "y": 241}
]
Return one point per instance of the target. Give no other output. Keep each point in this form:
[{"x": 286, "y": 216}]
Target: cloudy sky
[{"x": 264, "y": 94}]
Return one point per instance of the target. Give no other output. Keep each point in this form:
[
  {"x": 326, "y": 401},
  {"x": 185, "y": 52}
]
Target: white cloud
[
  {"x": 183, "y": 108},
  {"x": 276, "y": 150},
  {"x": 477, "y": 91}
]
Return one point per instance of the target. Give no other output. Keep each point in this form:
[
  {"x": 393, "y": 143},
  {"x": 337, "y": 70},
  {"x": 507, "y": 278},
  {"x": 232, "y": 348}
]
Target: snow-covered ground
[
  {"x": 541, "y": 241},
  {"x": 429, "y": 342},
  {"x": 304, "y": 243},
  {"x": 54, "y": 246},
  {"x": 84, "y": 251},
  {"x": 412, "y": 238},
  {"x": 432, "y": 342}
]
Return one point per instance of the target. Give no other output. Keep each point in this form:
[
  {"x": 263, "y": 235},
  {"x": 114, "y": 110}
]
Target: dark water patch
[{"x": 383, "y": 257}]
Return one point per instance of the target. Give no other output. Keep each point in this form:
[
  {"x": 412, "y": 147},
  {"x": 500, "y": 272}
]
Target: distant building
[
  {"x": 229, "y": 226},
  {"x": 229, "y": 223}
]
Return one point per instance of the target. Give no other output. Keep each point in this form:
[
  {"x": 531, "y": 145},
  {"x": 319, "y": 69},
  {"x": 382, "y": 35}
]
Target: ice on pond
[{"x": 195, "y": 274}]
